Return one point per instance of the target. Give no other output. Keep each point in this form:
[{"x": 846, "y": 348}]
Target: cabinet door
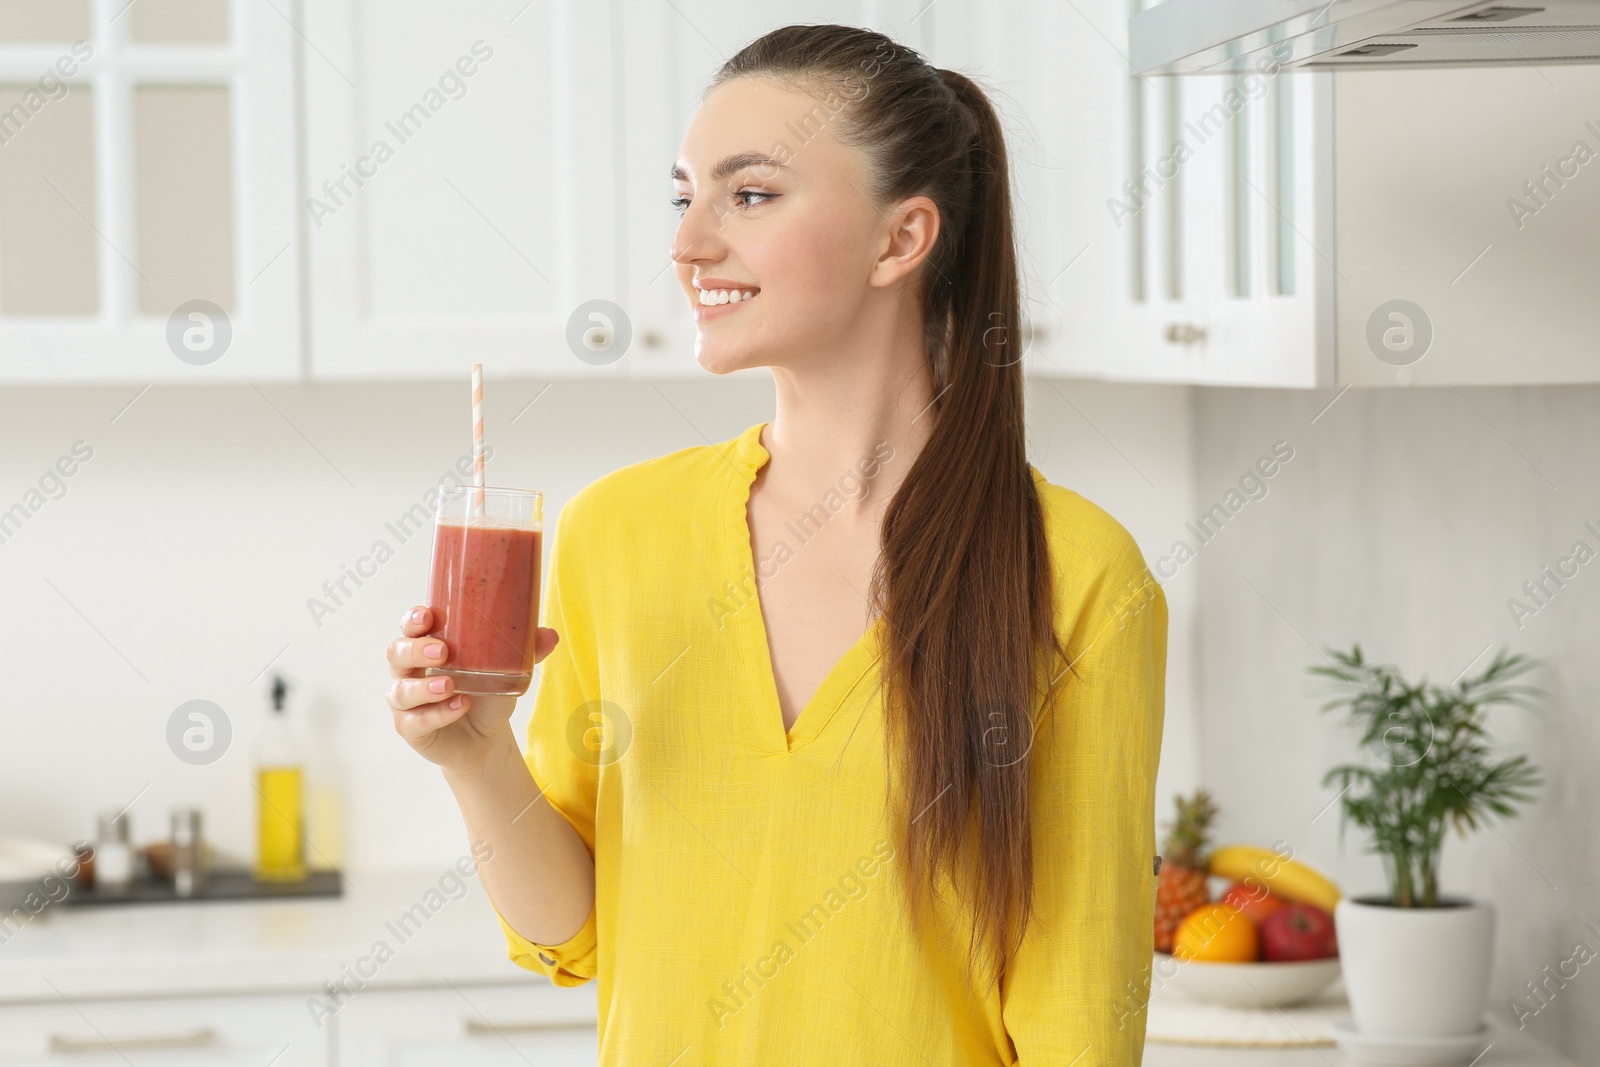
[
  {"x": 147, "y": 203},
  {"x": 488, "y": 1026},
  {"x": 462, "y": 185},
  {"x": 1477, "y": 203},
  {"x": 1262, "y": 258},
  {"x": 249, "y": 1031},
  {"x": 1035, "y": 62},
  {"x": 664, "y": 62},
  {"x": 1192, "y": 227}
]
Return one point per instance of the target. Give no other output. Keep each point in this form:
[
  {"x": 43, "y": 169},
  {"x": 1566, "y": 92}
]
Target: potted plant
[{"x": 1417, "y": 962}]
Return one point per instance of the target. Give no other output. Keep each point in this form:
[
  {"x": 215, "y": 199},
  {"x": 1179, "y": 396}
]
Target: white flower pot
[{"x": 1416, "y": 972}]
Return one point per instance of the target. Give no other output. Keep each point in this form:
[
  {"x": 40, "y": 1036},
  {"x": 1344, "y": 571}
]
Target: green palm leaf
[{"x": 1429, "y": 768}]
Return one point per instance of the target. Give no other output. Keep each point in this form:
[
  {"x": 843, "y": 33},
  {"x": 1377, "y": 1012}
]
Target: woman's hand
[{"x": 454, "y": 730}]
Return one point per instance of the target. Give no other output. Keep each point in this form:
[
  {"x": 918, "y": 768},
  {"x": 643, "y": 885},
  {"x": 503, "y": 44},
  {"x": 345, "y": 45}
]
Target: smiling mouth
[
  {"x": 718, "y": 297},
  {"x": 725, "y": 303}
]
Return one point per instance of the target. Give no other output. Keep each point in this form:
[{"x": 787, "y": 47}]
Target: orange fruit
[{"x": 1216, "y": 933}]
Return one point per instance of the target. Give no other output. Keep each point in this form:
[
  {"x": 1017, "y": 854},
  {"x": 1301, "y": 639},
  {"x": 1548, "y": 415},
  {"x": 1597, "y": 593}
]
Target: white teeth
[{"x": 725, "y": 296}]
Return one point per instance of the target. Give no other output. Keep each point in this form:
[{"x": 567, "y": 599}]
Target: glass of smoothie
[{"x": 484, "y": 589}]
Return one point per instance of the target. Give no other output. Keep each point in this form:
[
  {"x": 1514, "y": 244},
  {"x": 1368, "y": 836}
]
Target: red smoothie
[{"x": 485, "y": 600}]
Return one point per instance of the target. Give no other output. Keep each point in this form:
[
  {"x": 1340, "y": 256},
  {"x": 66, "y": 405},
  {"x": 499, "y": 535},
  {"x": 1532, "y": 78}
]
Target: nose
[{"x": 698, "y": 238}]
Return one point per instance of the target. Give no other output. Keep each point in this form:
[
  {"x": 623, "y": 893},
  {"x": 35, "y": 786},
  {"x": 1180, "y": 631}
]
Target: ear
[{"x": 910, "y": 231}]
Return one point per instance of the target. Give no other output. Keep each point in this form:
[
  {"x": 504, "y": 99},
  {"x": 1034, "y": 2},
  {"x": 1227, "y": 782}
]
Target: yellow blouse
[{"x": 748, "y": 901}]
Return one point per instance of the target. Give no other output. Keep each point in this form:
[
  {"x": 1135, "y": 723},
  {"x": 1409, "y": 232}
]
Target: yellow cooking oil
[
  {"x": 280, "y": 796},
  {"x": 280, "y": 836}
]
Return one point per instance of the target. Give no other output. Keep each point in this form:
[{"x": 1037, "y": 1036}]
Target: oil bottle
[{"x": 280, "y": 796}]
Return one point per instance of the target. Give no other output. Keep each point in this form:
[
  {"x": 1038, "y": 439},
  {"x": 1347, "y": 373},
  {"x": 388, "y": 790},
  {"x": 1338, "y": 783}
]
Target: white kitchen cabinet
[
  {"x": 526, "y": 1021},
  {"x": 413, "y": 280},
  {"x": 240, "y": 1031},
  {"x": 461, "y": 172},
  {"x": 487, "y": 182},
  {"x": 1272, "y": 218},
  {"x": 1219, "y": 272},
  {"x": 1336, "y": 229},
  {"x": 147, "y": 194},
  {"x": 1185, "y": 245},
  {"x": 665, "y": 60},
  {"x": 1410, "y": 266},
  {"x": 1427, "y": 213},
  {"x": 484, "y": 1025},
  {"x": 1033, "y": 61}
]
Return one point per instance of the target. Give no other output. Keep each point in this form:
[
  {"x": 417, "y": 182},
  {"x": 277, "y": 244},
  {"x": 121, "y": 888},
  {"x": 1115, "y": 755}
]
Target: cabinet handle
[
  {"x": 478, "y": 1028},
  {"x": 1185, "y": 333},
  {"x": 192, "y": 1039}
]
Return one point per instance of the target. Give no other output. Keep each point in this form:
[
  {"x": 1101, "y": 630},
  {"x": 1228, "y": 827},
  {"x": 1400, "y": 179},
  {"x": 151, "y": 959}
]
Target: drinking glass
[{"x": 484, "y": 588}]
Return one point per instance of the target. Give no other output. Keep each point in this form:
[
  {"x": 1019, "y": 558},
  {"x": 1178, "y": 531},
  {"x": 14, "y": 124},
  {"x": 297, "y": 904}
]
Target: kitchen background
[{"x": 203, "y": 152}]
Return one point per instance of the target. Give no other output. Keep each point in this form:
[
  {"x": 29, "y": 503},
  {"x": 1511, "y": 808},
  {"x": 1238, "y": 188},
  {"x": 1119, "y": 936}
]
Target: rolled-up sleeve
[
  {"x": 570, "y": 963},
  {"x": 1076, "y": 990},
  {"x": 565, "y": 706}
]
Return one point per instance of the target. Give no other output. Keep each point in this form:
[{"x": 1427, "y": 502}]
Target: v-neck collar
[{"x": 750, "y": 628}]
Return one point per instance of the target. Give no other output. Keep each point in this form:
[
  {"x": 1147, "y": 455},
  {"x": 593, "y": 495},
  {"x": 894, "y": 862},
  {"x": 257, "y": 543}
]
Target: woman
[{"x": 846, "y": 735}]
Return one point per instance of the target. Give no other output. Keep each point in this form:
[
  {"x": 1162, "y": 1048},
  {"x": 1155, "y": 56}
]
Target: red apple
[
  {"x": 1253, "y": 899},
  {"x": 1298, "y": 932}
]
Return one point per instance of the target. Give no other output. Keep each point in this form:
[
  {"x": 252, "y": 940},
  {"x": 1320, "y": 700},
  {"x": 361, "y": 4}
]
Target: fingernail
[
  {"x": 416, "y": 616},
  {"x": 439, "y": 685},
  {"x": 456, "y": 702},
  {"x": 434, "y": 650}
]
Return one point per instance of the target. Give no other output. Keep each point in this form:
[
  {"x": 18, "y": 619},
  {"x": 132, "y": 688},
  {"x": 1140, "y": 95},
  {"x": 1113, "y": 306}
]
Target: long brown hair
[{"x": 963, "y": 576}]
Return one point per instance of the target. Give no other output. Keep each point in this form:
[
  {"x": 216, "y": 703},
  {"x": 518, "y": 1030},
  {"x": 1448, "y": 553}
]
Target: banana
[{"x": 1286, "y": 878}]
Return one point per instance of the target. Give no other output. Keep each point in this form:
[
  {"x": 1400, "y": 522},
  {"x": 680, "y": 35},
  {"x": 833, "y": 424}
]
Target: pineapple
[{"x": 1181, "y": 885}]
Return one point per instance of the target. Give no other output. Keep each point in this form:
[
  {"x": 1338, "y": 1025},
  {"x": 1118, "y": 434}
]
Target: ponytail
[{"x": 963, "y": 576}]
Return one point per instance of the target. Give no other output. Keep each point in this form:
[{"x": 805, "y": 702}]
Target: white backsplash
[{"x": 1406, "y": 521}]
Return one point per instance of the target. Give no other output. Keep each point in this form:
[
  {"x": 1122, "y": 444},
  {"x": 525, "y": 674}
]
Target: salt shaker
[{"x": 113, "y": 854}]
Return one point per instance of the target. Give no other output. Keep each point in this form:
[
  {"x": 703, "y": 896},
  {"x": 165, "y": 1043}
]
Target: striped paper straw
[{"x": 477, "y": 437}]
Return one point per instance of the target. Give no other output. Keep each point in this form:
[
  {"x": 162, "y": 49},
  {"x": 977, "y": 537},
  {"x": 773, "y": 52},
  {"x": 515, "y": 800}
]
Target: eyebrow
[{"x": 731, "y": 166}]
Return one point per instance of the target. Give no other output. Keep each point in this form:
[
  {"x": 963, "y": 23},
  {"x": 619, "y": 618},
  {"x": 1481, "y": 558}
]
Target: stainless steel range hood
[{"x": 1217, "y": 36}]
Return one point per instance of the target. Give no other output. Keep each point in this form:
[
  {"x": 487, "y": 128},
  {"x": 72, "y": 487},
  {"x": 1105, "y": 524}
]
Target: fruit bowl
[{"x": 1246, "y": 985}]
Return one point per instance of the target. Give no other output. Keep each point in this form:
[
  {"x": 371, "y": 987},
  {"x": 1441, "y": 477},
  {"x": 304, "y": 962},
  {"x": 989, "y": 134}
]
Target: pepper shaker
[{"x": 188, "y": 865}]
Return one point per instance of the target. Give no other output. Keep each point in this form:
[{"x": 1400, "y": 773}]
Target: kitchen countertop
[
  {"x": 260, "y": 946},
  {"x": 267, "y": 946},
  {"x": 1507, "y": 1049}
]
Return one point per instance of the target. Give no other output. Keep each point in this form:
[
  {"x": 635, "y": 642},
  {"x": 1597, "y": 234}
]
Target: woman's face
[{"x": 793, "y": 222}]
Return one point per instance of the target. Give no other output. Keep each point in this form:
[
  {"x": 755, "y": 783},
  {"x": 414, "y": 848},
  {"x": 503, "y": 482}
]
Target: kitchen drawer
[
  {"x": 509, "y": 1025},
  {"x": 249, "y": 1031}
]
